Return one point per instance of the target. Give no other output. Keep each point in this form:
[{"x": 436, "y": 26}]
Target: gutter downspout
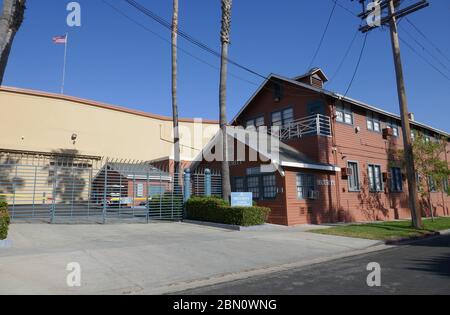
[{"x": 334, "y": 149}]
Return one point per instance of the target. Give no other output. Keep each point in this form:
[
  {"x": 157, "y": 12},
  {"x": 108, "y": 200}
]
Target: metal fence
[
  {"x": 101, "y": 192},
  {"x": 204, "y": 182}
]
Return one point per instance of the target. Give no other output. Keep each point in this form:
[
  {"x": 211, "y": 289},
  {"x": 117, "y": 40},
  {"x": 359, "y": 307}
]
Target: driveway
[{"x": 154, "y": 258}]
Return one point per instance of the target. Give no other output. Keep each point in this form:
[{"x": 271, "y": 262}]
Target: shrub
[
  {"x": 219, "y": 211},
  {"x": 4, "y": 220}
]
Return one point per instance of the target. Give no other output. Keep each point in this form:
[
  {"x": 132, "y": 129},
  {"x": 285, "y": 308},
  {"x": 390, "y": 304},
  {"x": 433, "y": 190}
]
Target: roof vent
[
  {"x": 315, "y": 77},
  {"x": 412, "y": 117}
]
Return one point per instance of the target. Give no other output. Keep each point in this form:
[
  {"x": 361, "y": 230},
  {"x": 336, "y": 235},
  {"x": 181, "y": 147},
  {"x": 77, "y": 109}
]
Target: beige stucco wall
[{"x": 34, "y": 121}]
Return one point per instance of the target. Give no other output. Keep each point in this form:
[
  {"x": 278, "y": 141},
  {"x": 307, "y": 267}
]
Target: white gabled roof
[{"x": 336, "y": 96}]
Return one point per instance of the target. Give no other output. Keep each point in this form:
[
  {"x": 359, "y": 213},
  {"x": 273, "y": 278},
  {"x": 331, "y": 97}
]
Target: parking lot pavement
[{"x": 152, "y": 258}]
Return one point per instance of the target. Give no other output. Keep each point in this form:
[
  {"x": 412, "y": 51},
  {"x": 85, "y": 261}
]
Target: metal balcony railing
[{"x": 309, "y": 126}]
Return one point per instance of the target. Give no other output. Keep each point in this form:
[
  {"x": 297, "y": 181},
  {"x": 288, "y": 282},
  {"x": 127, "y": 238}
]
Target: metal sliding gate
[{"x": 115, "y": 192}]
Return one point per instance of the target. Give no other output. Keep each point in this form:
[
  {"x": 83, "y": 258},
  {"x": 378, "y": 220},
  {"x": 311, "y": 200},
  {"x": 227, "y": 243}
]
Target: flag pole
[{"x": 64, "y": 67}]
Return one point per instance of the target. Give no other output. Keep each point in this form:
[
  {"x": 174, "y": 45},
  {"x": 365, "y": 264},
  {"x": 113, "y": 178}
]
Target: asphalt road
[{"x": 419, "y": 268}]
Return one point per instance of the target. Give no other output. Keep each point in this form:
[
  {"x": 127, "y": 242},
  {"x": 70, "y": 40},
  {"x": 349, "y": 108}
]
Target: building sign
[
  {"x": 326, "y": 182},
  {"x": 241, "y": 199},
  {"x": 140, "y": 190}
]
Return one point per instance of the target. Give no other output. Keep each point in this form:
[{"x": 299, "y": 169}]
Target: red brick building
[{"x": 334, "y": 163}]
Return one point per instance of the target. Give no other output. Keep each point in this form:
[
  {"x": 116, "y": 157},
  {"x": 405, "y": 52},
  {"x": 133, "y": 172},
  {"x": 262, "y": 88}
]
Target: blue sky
[{"x": 112, "y": 60}]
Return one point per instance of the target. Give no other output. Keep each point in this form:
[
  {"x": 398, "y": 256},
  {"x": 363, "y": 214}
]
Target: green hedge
[
  {"x": 219, "y": 211},
  {"x": 4, "y": 220},
  {"x": 165, "y": 202}
]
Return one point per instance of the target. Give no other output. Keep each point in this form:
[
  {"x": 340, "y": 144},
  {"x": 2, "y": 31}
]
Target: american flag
[{"x": 60, "y": 39}]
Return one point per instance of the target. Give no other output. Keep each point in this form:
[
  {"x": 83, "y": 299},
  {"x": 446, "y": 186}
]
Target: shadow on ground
[{"x": 439, "y": 264}]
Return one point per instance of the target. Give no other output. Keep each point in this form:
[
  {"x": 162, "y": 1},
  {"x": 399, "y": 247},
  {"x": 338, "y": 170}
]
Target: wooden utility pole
[
  {"x": 404, "y": 113},
  {"x": 391, "y": 20},
  {"x": 225, "y": 40}
]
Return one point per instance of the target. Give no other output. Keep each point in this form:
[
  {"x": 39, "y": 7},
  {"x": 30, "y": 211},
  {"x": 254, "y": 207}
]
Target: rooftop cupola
[{"x": 315, "y": 77}]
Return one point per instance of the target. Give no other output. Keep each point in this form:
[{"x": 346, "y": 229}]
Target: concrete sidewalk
[{"x": 154, "y": 258}]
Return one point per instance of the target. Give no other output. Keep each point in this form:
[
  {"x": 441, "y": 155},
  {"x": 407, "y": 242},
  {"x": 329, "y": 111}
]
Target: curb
[
  {"x": 233, "y": 227},
  {"x": 409, "y": 240}
]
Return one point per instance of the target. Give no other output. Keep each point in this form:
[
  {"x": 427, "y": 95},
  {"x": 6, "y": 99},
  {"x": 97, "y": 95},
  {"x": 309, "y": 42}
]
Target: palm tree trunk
[
  {"x": 225, "y": 40},
  {"x": 176, "y": 133},
  {"x": 11, "y": 20}
]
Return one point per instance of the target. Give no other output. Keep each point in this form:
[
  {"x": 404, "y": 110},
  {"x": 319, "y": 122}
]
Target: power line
[
  {"x": 409, "y": 45},
  {"x": 424, "y": 59},
  {"x": 428, "y": 40},
  {"x": 424, "y": 48},
  {"x": 190, "y": 54},
  {"x": 357, "y": 64},
  {"x": 345, "y": 56},
  {"x": 169, "y": 42},
  {"x": 197, "y": 43},
  {"x": 205, "y": 47},
  {"x": 187, "y": 37},
  {"x": 323, "y": 35},
  {"x": 345, "y": 8}
]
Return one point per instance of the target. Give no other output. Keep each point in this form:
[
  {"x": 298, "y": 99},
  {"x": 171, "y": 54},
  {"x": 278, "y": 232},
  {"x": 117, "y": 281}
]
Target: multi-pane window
[
  {"x": 262, "y": 185},
  {"x": 239, "y": 184},
  {"x": 419, "y": 181},
  {"x": 395, "y": 128},
  {"x": 445, "y": 184},
  {"x": 353, "y": 179},
  {"x": 253, "y": 171},
  {"x": 373, "y": 122},
  {"x": 253, "y": 186},
  {"x": 269, "y": 186},
  {"x": 395, "y": 131},
  {"x": 432, "y": 184},
  {"x": 305, "y": 184},
  {"x": 375, "y": 178},
  {"x": 257, "y": 122},
  {"x": 344, "y": 114},
  {"x": 283, "y": 118},
  {"x": 396, "y": 179}
]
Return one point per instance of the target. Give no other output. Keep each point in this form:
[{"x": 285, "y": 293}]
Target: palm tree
[
  {"x": 11, "y": 20},
  {"x": 176, "y": 134},
  {"x": 225, "y": 40}
]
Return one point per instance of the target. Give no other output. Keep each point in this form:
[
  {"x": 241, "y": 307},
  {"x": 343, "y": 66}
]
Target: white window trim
[
  {"x": 359, "y": 172},
  {"x": 381, "y": 177}
]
